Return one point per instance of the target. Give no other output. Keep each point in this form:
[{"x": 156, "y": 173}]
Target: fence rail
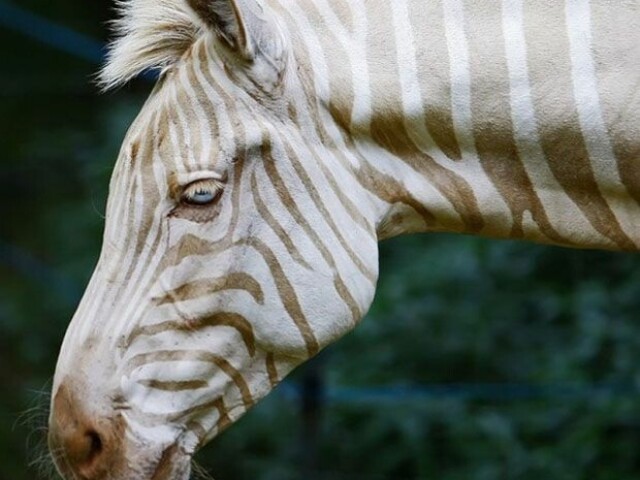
[{"x": 507, "y": 392}]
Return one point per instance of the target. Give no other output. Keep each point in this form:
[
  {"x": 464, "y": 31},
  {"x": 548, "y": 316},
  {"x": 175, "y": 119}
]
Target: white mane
[{"x": 149, "y": 34}]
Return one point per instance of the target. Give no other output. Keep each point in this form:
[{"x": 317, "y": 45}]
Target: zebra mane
[{"x": 149, "y": 34}]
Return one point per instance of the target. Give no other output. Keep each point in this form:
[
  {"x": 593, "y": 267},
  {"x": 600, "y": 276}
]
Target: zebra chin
[{"x": 88, "y": 446}]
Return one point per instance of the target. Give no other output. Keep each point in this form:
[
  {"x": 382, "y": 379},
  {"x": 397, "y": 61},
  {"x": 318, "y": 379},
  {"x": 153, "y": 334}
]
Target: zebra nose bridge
[{"x": 82, "y": 445}]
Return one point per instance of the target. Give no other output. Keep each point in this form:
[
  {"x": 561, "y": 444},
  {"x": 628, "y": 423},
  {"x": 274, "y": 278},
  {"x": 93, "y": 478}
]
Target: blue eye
[
  {"x": 203, "y": 192},
  {"x": 202, "y": 196}
]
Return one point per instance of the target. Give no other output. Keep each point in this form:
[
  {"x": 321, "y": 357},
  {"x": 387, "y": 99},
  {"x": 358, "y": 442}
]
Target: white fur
[{"x": 150, "y": 34}]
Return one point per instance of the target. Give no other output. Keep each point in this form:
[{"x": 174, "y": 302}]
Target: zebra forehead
[{"x": 149, "y": 34}]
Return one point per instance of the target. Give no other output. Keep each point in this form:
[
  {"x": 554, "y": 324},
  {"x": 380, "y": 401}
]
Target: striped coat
[{"x": 282, "y": 141}]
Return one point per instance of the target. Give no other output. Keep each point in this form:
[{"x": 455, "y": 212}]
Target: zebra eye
[{"x": 201, "y": 193}]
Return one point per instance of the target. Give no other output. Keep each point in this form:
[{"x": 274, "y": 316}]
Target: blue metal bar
[
  {"x": 466, "y": 392},
  {"x": 50, "y": 33},
  {"x": 482, "y": 391}
]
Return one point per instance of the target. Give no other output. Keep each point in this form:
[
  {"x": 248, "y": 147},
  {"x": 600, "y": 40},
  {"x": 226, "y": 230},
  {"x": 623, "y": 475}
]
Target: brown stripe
[
  {"x": 368, "y": 177},
  {"x": 271, "y": 370},
  {"x": 343, "y": 12},
  {"x": 231, "y": 106},
  {"x": 287, "y": 294},
  {"x": 344, "y": 199},
  {"x": 265, "y": 214},
  {"x": 347, "y": 298},
  {"x": 174, "y": 386},
  {"x": 201, "y": 288},
  {"x": 207, "y": 103},
  {"x": 291, "y": 205},
  {"x": 432, "y": 65},
  {"x": 224, "y": 421},
  {"x": 146, "y": 190},
  {"x": 161, "y": 137},
  {"x": 492, "y": 123},
  {"x": 204, "y": 102},
  {"x": 235, "y": 375},
  {"x": 561, "y": 137},
  {"x": 199, "y": 431},
  {"x": 377, "y": 183},
  {"x": 172, "y": 101},
  {"x": 392, "y": 191},
  {"x": 193, "y": 137},
  {"x": 189, "y": 245},
  {"x": 279, "y": 186},
  {"x": 219, "y": 319},
  {"x": 341, "y": 88},
  {"x": 339, "y": 68},
  {"x": 195, "y": 355},
  {"x": 306, "y": 75},
  {"x": 394, "y": 138},
  {"x": 204, "y": 408},
  {"x": 152, "y": 419},
  {"x": 117, "y": 209},
  {"x": 382, "y": 63},
  {"x": 328, "y": 217},
  {"x": 616, "y": 36},
  {"x": 388, "y": 130}
]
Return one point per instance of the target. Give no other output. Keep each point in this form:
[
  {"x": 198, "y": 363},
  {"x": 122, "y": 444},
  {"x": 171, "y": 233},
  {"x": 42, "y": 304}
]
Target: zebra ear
[{"x": 243, "y": 25}]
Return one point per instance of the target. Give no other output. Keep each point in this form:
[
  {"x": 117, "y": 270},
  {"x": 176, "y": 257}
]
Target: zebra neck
[{"x": 507, "y": 119}]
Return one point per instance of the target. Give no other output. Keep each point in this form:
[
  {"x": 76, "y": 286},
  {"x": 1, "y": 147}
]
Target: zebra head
[{"x": 237, "y": 244}]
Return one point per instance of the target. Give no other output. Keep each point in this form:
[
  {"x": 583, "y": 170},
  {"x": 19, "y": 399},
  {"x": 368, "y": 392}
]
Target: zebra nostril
[
  {"x": 83, "y": 450},
  {"x": 95, "y": 445},
  {"x": 80, "y": 443}
]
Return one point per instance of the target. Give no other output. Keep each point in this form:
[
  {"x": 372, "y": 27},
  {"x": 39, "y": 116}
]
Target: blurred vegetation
[{"x": 479, "y": 359}]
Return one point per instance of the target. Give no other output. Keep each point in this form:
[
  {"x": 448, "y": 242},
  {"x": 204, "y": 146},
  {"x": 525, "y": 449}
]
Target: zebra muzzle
[{"x": 83, "y": 446}]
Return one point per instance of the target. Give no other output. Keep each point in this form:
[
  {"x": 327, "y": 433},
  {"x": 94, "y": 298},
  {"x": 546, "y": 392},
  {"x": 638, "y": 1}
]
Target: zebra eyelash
[{"x": 201, "y": 193}]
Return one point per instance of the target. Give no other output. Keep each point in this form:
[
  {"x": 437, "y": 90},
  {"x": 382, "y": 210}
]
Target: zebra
[{"x": 285, "y": 138}]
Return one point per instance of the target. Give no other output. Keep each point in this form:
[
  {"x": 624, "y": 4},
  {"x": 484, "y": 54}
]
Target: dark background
[{"x": 479, "y": 360}]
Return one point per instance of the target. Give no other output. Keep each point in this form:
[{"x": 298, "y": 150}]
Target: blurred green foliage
[{"x": 538, "y": 344}]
